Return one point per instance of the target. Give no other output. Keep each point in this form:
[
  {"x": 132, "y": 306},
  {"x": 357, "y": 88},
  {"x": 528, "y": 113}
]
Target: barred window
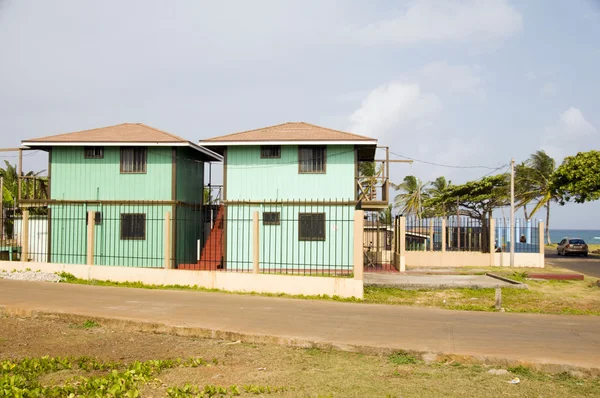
[
  {"x": 133, "y": 160},
  {"x": 311, "y": 226},
  {"x": 93, "y": 152},
  {"x": 270, "y": 151},
  {"x": 311, "y": 159},
  {"x": 133, "y": 226},
  {"x": 271, "y": 218}
]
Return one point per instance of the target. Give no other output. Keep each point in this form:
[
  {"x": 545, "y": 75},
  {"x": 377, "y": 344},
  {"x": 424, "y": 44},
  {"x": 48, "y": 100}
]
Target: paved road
[
  {"x": 571, "y": 340},
  {"x": 586, "y": 265}
]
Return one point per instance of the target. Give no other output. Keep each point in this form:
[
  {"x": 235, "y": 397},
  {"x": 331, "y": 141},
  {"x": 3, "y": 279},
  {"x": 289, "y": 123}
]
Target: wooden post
[
  {"x": 402, "y": 244},
  {"x": 91, "y": 221},
  {"x": 359, "y": 220},
  {"x": 431, "y": 236},
  {"x": 491, "y": 243},
  {"x": 255, "y": 244},
  {"x": 20, "y": 174},
  {"x": 25, "y": 236},
  {"x": 167, "y": 236},
  {"x": 443, "y": 235}
]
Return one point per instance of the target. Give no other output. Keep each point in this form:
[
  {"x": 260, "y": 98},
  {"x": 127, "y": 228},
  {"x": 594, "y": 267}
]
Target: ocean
[{"x": 590, "y": 236}]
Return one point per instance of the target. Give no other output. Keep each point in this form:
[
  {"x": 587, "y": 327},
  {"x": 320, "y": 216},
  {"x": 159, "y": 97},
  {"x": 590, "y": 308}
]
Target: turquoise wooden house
[
  {"x": 303, "y": 181},
  {"x": 130, "y": 175}
]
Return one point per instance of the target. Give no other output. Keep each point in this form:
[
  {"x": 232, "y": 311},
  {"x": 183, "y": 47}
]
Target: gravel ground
[{"x": 30, "y": 276}]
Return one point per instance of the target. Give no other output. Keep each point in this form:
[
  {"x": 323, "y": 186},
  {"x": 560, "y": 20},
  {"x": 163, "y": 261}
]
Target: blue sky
[{"x": 452, "y": 82}]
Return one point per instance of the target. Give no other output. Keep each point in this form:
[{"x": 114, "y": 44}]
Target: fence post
[
  {"x": 25, "y": 236},
  {"x": 444, "y": 235},
  {"x": 431, "y": 235},
  {"x": 359, "y": 221},
  {"x": 167, "y": 236},
  {"x": 255, "y": 243},
  {"x": 542, "y": 243},
  {"x": 492, "y": 242},
  {"x": 90, "y": 237},
  {"x": 402, "y": 244}
]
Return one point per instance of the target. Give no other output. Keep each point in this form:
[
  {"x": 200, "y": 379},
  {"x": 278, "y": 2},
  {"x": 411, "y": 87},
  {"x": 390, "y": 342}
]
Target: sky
[{"x": 456, "y": 83}]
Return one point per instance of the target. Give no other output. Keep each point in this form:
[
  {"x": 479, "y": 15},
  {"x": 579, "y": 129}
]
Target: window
[
  {"x": 97, "y": 218},
  {"x": 270, "y": 151},
  {"x": 311, "y": 159},
  {"x": 133, "y": 226},
  {"x": 311, "y": 226},
  {"x": 271, "y": 218},
  {"x": 576, "y": 242},
  {"x": 133, "y": 160},
  {"x": 93, "y": 152}
]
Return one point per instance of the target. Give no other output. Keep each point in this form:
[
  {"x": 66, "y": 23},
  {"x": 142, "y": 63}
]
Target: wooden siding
[
  {"x": 69, "y": 232},
  {"x": 280, "y": 246},
  {"x": 190, "y": 177},
  {"x": 251, "y": 178},
  {"x": 76, "y": 178}
]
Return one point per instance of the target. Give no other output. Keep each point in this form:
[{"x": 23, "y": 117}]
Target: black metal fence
[
  {"x": 296, "y": 238},
  {"x": 527, "y": 236},
  {"x": 466, "y": 234},
  {"x": 286, "y": 238}
]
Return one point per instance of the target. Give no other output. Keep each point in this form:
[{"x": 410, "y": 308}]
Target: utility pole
[{"x": 512, "y": 212}]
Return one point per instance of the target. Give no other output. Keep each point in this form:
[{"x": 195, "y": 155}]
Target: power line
[{"x": 446, "y": 165}]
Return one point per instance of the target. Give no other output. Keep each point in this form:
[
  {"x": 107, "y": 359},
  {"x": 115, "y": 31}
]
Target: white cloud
[
  {"x": 572, "y": 134},
  {"x": 549, "y": 89},
  {"x": 394, "y": 106},
  {"x": 453, "y": 79},
  {"x": 443, "y": 21}
]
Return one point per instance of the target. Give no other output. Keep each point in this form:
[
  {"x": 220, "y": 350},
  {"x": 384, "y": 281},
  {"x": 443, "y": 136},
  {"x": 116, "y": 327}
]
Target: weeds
[{"x": 403, "y": 358}]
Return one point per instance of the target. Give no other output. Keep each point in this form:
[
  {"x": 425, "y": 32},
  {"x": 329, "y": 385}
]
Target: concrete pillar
[
  {"x": 431, "y": 236},
  {"x": 402, "y": 244},
  {"x": 492, "y": 227},
  {"x": 443, "y": 235},
  {"x": 255, "y": 243},
  {"x": 25, "y": 236},
  {"x": 91, "y": 221},
  {"x": 542, "y": 244},
  {"x": 167, "y": 237},
  {"x": 358, "y": 260}
]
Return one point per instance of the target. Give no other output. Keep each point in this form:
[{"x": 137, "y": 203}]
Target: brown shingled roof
[
  {"x": 126, "y": 132},
  {"x": 292, "y": 131}
]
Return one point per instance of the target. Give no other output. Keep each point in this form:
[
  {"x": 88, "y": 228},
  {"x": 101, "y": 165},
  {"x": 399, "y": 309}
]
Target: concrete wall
[
  {"x": 471, "y": 259},
  {"x": 230, "y": 281}
]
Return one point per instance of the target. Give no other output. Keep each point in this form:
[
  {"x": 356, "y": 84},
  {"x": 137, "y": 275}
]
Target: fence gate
[{"x": 380, "y": 243}]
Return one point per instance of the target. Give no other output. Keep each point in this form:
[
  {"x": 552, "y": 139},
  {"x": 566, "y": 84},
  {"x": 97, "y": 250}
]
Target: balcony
[
  {"x": 372, "y": 184},
  {"x": 33, "y": 191}
]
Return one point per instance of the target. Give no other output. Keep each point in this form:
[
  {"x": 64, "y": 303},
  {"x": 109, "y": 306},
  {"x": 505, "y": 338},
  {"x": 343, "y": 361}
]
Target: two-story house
[
  {"x": 303, "y": 181},
  {"x": 131, "y": 175}
]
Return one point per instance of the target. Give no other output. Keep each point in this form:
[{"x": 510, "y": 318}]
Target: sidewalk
[{"x": 569, "y": 340}]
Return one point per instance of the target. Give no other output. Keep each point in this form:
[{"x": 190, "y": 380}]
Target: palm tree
[
  {"x": 413, "y": 192},
  {"x": 437, "y": 189},
  {"x": 533, "y": 179},
  {"x": 368, "y": 174},
  {"x": 385, "y": 216}
]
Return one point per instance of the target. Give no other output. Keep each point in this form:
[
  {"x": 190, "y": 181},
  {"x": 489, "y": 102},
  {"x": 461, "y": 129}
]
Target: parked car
[{"x": 575, "y": 246}]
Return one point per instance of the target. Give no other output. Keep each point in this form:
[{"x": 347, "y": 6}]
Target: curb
[
  {"x": 518, "y": 285},
  {"x": 182, "y": 331}
]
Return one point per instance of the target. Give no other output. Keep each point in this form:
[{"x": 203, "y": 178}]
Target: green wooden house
[
  {"x": 130, "y": 175},
  {"x": 303, "y": 181}
]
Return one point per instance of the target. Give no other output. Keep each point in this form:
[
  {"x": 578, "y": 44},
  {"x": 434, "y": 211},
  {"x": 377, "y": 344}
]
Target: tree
[
  {"x": 437, "y": 188},
  {"x": 477, "y": 199},
  {"x": 577, "y": 179},
  {"x": 413, "y": 193},
  {"x": 385, "y": 216},
  {"x": 533, "y": 183},
  {"x": 368, "y": 174}
]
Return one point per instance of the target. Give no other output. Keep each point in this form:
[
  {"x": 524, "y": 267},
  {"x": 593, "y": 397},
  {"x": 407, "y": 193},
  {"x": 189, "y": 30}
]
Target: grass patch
[
  {"x": 403, "y": 358},
  {"x": 88, "y": 324}
]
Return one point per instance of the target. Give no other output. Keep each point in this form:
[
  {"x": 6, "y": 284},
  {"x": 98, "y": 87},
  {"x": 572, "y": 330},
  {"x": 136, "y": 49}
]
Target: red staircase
[{"x": 212, "y": 253}]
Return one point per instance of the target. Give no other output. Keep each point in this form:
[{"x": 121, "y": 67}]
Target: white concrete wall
[
  {"x": 471, "y": 259},
  {"x": 230, "y": 281},
  {"x": 38, "y": 237}
]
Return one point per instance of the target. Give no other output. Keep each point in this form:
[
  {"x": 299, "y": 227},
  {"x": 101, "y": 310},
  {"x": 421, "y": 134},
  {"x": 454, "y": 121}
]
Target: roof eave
[
  {"x": 212, "y": 156},
  {"x": 295, "y": 142}
]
